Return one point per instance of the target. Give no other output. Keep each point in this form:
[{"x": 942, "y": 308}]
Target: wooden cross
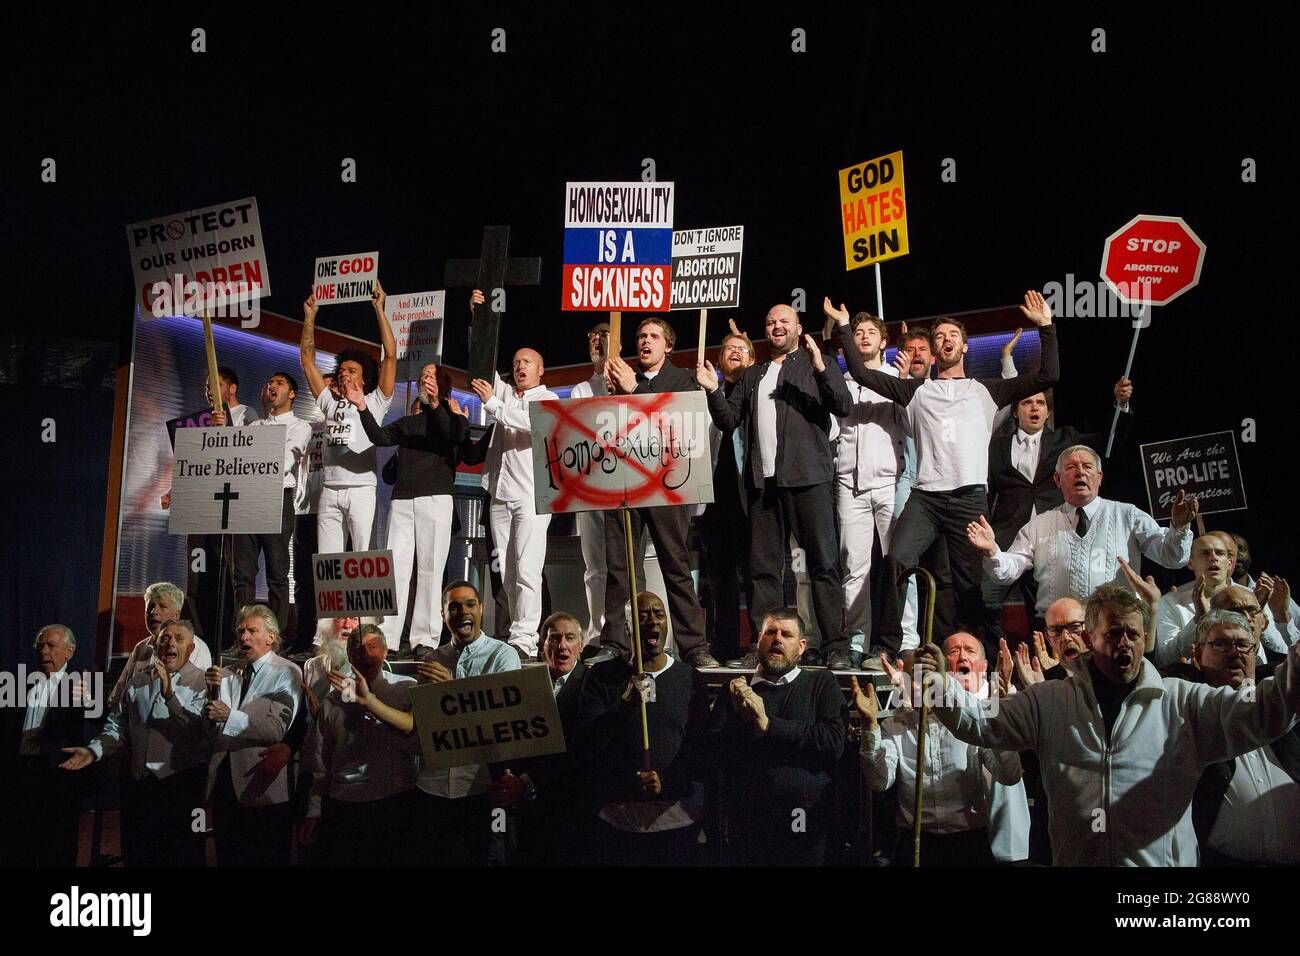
[{"x": 492, "y": 270}]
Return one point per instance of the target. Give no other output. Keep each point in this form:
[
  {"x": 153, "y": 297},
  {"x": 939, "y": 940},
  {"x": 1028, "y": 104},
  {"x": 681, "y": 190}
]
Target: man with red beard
[
  {"x": 778, "y": 735},
  {"x": 974, "y": 811},
  {"x": 646, "y": 813}
]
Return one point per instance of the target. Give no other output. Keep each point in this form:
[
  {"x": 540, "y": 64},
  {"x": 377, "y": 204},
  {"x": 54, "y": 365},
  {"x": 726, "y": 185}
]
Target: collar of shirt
[
  {"x": 786, "y": 678},
  {"x": 1024, "y": 438},
  {"x": 1090, "y": 509},
  {"x": 655, "y": 674},
  {"x": 282, "y": 417},
  {"x": 528, "y": 392}
]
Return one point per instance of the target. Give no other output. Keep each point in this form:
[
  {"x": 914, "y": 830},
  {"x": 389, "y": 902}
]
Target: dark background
[{"x": 1056, "y": 147}]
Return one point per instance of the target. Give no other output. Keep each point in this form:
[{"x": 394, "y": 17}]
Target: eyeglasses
[
  {"x": 1223, "y": 645},
  {"x": 737, "y": 348},
  {"x": 1075, "y": 628}
]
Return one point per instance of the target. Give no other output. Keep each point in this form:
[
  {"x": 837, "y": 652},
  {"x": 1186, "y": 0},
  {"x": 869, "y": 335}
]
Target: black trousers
[
  {"x": 810, "y": 512},
  {"x": 42, "y": 814},
  {"x": 615, "y": 847},
  {"x": 275, "y": 548},
  {"x": 929, "y": 515},
  {"x": 249, "y": 836},
  {"x": 365, "y": 833},
  {"x": 304, "y": 546},
  {"x": 158, "y": 819},
  {"x": 967, "y": 848},
  {"x": 724, "y": 528},
  {"x": 449, "y": 832},
  {"x": 211, "y": 589},
  {"x": 668, "y": 527}
]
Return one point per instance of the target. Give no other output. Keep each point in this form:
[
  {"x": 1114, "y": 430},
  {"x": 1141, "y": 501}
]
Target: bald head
[
  {"x": 783, "y": 329},
  {"x": 1241, "y": 599},
  {"x": 1064, "y": 620},
  {"x": 1063, "y": 611},
  {"x": 528, "y": 369}
]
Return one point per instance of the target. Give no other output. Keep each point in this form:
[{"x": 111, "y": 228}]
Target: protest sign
[
  {"x": 416, "y": 318},
  {"x": 706, "y": 267},
  {"x": 1203, "y": 465},
  {"x": 228, "y": 480},
  {"x": 636, "y": 451},
  {"x": 617, "y": 247},
  {"x": 200, "y": 419},
  {"x": 354, "y": 584},
  {"x": 349, "y": 278},
  {"x": 488, "y": 719},
  {"x": 202, "y": 259},
  {"x": 873, "y": 211}
]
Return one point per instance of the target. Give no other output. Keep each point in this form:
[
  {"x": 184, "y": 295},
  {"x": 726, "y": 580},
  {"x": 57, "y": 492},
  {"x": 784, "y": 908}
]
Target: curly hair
[{"x": 369, "y": 367}]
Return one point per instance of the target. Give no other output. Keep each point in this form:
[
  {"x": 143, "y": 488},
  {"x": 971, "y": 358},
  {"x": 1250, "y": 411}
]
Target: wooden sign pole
[{"x": 704, "y": 321}]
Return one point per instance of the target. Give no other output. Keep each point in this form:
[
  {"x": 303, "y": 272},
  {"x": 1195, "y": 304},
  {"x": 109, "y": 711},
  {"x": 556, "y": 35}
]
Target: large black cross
[
  {"x": 493, "y": 269},
  {"x": 226, "y": 496}
]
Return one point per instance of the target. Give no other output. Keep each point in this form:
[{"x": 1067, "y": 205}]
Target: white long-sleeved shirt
[
  {"x": 872, "y": 439},
  {"x": 356, "y": 757},
  {"x": 1126, "y": 800},
  {"x": 1066, "y": 565},
  {"x": 966, "y": 787},
  {"x": 1176, "y": 627},
  {"x": 297, "y": 435},
  {"x": 1259, "y": 820},
  {"x": 163, "y": 736},
  {"x": 508, "y": 470}
]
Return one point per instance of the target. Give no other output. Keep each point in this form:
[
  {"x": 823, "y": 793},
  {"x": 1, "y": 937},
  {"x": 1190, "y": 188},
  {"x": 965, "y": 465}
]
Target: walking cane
[{"x": 927, "y": 638}]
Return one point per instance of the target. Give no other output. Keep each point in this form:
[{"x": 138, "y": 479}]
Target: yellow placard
[{"x": 873, "y": 211}]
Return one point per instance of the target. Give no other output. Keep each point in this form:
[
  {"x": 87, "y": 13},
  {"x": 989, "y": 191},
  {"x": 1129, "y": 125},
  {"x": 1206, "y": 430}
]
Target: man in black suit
[
  {"x": 42, "y": 803},
  {"x": 783, "y": 408},
  {"x": 668, "y": 525},
  {"x": 1022, "y": 459},
  {"x": 549, "y": 791}
]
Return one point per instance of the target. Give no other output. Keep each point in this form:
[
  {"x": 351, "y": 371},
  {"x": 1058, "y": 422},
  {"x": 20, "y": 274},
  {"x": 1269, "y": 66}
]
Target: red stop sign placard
[{"x": 1152, "y": 259}]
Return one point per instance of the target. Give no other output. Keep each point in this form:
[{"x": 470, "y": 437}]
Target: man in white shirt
[
  {"x": 974, "y": 810},
  {"x": 951, "y": 419},
  {"x": 1246, "y": 811},
  {"x": 1269, "y": 634},
  {"x": 1211, "y": 568},
  {"x": 591, "y": 524},
  {"x": 347, "y": 499},
  {"x": 277, "y": 398},
  {"x": 1121, "y": 749},
  {"x": 518, "y": 531},
  {"x": 203, "y": 558},
  {"x": 1076, "y": 547},
  {"x": 306, "y": 503},
  {"x": 160, "y": 721},
  {"x": 453, "y": 817},
  {"x": 364, "y": 770},
  {"x": 868, "y": 464},
  {"x": 257, "y": 700},
  {"x": 163, "y": 602}
]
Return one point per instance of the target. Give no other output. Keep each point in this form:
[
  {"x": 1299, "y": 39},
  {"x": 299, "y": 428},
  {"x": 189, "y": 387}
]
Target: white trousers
[
  {"x": 352, "y": 507},
  {"x": 419, "y": 532},
  {"x": 591, "y": 538},
  {"x": 519, "y": 537},
  {"x": 863, "y": 515}
]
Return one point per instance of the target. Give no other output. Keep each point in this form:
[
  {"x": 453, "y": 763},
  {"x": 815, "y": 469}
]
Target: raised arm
[
  {"x": 1009, "y": 390},
  {"x": 1228, "y": 723},
  {"x": 388, "y": 364},
  {"x": 1001, "y": 723},
  {"x": 726, "y": 411},
  {"x": 898, "y": 390},
  {"x": 831, "y": 390},
  {"x": 307, "y": 347}
]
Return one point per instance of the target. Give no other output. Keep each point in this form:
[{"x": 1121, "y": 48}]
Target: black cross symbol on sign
[
  {"x": 225, "y": 496},
  {"x": 493, "y": 269}
]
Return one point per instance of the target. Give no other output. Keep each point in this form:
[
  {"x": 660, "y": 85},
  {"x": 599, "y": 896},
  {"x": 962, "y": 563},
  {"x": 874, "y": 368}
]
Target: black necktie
[
  {"x": 1082, "y": 527},
  {"x": 249, "y": 674}
]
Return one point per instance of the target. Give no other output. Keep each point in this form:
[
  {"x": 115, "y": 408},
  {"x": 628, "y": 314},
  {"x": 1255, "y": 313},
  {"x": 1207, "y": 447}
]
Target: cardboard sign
[
  {"x": 618, "y": 240},
  {"x": 228, "y": 480},
  {"x": 487, "y": 719},
  {"x": 706, "y": 267},
  {"x": 873, "y": 211},
  {"x": 348, "y": 278},
  {"x": 636, "y": 451},
  {"x": 1203, "y": 465},
  {"x": 217, "y": 248},
  {"x": 416, "y": 318},
  {"x": 354, "y": 584},
  {"x": 200, "y": 419}
]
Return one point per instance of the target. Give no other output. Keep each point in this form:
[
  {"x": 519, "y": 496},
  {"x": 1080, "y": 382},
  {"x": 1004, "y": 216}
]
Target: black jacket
[
  {"x": 1012, "y": 497},
  {"x": 805, "y": 402},
  {"x": 670, "y": 378}
]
